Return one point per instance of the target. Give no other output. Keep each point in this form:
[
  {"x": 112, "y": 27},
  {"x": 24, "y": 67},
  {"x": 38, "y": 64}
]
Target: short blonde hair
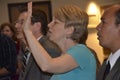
[{"x": 72, "y": 15}]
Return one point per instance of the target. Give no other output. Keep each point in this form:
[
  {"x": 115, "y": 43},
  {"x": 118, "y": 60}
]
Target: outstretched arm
[
  {"x": 33, "y": 43},
  {"x": 46, "y": 63}
]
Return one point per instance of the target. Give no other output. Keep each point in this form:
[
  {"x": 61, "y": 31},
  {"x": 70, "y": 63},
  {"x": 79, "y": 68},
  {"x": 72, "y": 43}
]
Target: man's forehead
[{"x": 22, "y": 15}]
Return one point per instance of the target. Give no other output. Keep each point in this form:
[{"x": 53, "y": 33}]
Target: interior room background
[{"x": 92, "y": 38}]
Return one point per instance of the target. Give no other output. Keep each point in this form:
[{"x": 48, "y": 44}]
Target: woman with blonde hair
[{"x": 68, "y": 30}]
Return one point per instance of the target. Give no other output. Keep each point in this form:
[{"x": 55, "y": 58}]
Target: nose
[
  {"x": 50, "y": 24},
  {"x": 17, "y": 25},
  {"x": 98, "y": 27}
]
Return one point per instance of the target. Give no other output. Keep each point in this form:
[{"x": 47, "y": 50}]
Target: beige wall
[
  {"x": 92, "y": 38},
  {"x": 55, "y": 3},
  {"x": 4, "y": 10}
]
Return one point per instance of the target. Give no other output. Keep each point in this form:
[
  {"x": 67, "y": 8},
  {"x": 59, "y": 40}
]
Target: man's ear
[{"x": 38, "y": 24}]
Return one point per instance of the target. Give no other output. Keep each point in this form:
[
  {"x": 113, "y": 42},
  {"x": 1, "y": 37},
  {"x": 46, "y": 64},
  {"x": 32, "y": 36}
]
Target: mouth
[
  {"x": 18, "y": 32},
  {"x": 49, "y": 33},
  {"x": 98, "y": 36}
]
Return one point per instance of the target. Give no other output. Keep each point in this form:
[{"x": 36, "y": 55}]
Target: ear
[
  {"x": 38, "y": 24},
  {"x": 70, "y": 30}
]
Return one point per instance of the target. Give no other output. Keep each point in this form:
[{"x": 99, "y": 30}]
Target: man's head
[
  {"x": 19, "y": 22},
  {"x": 109, "y": 28},
  {"x": 38, "y": 20}
]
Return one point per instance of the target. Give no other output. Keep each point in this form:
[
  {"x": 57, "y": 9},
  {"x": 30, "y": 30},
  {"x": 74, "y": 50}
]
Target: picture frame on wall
[{"x": 14, "y": 8}]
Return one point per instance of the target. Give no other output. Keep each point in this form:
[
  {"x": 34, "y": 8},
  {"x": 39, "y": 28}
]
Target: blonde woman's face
[{"x": 56, "y": 32}]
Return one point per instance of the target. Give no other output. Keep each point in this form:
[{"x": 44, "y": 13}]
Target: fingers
[
  {"x": 29, "y": 9},
  {"x": 27, "y": 23}
]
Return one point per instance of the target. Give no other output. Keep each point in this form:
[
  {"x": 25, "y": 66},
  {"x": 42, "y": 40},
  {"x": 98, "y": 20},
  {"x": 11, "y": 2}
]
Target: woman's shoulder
[{"x": 79, "y": 48}]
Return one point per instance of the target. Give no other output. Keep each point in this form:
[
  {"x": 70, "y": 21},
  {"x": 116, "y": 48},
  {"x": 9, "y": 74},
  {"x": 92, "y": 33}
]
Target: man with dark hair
[
  {"x": 109, "y": 37},
  {"x": 8, "y": 57},
  {"x": 39, "y": 28}
]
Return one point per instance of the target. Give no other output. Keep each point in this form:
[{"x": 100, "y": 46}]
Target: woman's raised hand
[{"x": 27, "y": 23}]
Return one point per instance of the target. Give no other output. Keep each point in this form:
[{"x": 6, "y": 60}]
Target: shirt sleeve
[{"x": 81, "y": 55}]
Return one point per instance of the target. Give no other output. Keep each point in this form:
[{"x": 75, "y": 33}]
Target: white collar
[
  {"x": 113, "y": 58},
  {"x": 39, "y": 37}
]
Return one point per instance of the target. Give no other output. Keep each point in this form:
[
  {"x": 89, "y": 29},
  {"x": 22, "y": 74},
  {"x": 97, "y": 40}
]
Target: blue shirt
[{"x": 87, "y": 65}]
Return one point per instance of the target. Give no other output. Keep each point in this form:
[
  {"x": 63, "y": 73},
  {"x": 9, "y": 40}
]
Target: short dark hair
[
  {"x": 38, "y": 16},
  {"x": 23, "y": 9}
]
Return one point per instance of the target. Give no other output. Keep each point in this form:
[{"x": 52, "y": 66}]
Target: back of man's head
[{"x": 38, "y": 16}]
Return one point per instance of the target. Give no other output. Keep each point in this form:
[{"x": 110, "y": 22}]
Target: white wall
[{"x": 92, "y": 38}]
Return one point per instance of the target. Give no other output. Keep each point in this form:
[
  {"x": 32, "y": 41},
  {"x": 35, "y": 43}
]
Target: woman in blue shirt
[{"x": 68, "y": 30}]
